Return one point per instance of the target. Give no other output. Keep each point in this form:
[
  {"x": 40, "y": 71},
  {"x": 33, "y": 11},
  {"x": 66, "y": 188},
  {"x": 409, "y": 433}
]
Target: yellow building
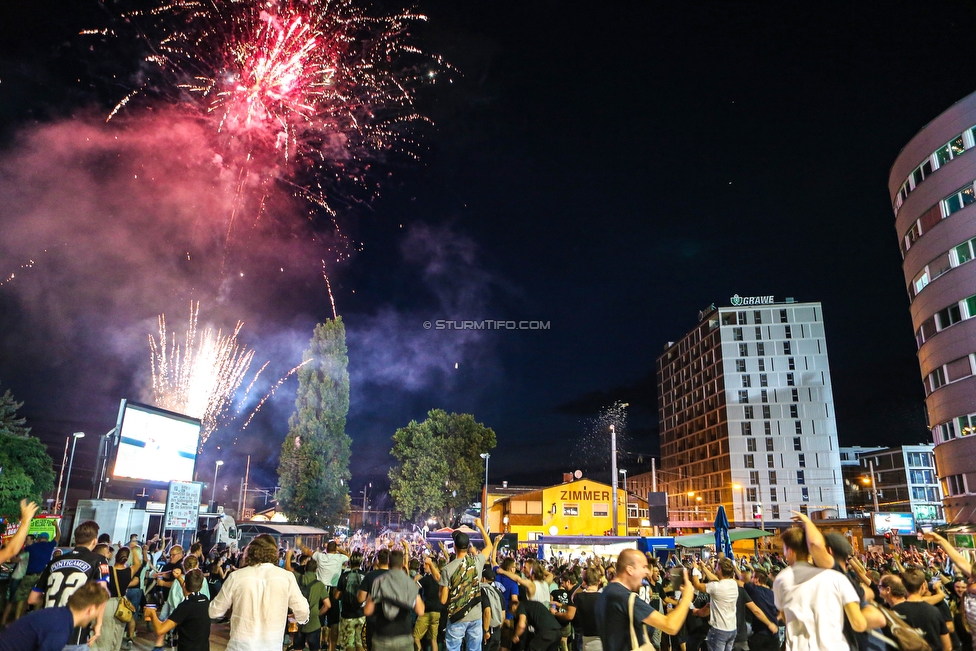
[{"x": 576, "y": 508}]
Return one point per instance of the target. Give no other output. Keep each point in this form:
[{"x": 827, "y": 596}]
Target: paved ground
[{"x": 218, "y": 638}]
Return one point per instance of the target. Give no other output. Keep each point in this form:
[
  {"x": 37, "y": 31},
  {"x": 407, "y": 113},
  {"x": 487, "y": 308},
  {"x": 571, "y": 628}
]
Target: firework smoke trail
[
  {"x": 293, "y": 89},
  {"x": 200, "y": 376},
  {"x": 270, "y": 393}
]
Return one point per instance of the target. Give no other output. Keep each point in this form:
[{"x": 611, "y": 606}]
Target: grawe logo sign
[{"x": 737, "y": 300}]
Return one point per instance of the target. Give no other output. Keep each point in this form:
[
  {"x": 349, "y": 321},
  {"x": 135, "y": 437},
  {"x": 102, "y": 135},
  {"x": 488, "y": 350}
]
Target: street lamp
[
  {"x": 626, "y": 502},
  {"x": 213, "y": 496},
  {"x": 67, "y": 481},
  {"x": 484, "y": 497},
  {"x": 613, "y": 474}
]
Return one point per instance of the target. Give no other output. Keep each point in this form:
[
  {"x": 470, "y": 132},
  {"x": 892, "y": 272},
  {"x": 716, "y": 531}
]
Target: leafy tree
[
  {"x": 25, "y": 466},
  {"x": 440, "y": 469},
  {"x": 314, "y": 468}
]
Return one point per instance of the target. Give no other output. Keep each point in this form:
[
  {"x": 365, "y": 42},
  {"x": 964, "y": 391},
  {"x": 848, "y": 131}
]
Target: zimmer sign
[{"x": 738, "y": 301}]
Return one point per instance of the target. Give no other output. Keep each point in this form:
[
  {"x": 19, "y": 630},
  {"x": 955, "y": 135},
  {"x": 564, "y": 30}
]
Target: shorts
[
  {"x": 332, "y": 616},
  {"x": 428, "y": 622},
  {"x": 25, "y": 587},
  {"x": 351, "y": 633}
]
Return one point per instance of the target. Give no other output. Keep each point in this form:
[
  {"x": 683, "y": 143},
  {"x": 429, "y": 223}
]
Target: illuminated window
[
  {"x": 571, "y": 510},
  {"x": 751, "y": 445},
  {"x": 601, "y": 510},
  {"x": 769, "y": 445}
]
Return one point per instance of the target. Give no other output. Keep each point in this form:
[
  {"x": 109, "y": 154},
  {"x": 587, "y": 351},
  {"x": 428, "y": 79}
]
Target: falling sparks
[
  {"x": 199, "y": 376},
  {"x": 290, "y": 86},
  {"x": 328, "y": 286},
  {"x": 270, "y": 393}
]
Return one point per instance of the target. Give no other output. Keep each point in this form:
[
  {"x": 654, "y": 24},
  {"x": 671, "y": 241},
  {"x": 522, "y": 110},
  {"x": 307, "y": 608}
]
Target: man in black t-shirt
[
  {"x": 380, "y": 567},
  {"x": 925, "y": 617},
  {"x": 546, "y": 629},
  {"x": 393, "y": 597},
  {"x": 429, "y": 623},
  {"x": 68, "y": 572},
  {"x": 613, "y": 606},
  {"x": 190, "y": 618}
]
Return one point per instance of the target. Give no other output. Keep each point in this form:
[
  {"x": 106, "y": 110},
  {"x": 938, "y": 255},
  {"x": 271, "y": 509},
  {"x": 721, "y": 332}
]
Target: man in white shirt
[
  {"x": 260, "y": 595},
  {"x": 724, "y": 592},
  {"x": 814, "y": 601}
]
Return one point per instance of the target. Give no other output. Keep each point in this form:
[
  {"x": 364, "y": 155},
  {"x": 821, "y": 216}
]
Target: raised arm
[
  {"x": 525, "y": 583},
  {"x": 672, "y": 622},
  {"x": 816, "y": 544},
  {"x": 957, "y": 558},
  {"x": 27, "y": 511},
  {"x": 489, "y": 545}
]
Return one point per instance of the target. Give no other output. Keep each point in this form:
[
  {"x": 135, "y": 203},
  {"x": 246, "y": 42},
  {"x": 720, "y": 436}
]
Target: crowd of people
[{"x": 406, "y": 595}]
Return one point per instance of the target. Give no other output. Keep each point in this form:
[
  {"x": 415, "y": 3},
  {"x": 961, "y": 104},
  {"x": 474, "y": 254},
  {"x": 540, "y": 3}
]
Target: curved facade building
[{"x": 933, "y": 193}]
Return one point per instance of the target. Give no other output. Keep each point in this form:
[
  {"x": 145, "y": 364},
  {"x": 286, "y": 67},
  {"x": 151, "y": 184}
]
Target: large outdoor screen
[
  {"x": 154, "y": 444},
  {"x": 885, "y": 522}
]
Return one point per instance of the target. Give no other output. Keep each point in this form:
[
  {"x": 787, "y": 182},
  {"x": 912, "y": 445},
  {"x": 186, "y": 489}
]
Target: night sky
[{"x": 611, "y": 168}]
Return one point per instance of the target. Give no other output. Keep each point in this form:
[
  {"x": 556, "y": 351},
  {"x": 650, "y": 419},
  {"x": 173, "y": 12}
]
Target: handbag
[
  {"x": 125, "y": 610},
  {"x": 634, "y": 645}
]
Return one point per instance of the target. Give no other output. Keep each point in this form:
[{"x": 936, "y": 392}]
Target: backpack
[
  {"x": 464, "y": 591},
  {"x": 495, "y": 601},
  {"x": 350, "y": 590},
  {"x": 906, "y": 637}
]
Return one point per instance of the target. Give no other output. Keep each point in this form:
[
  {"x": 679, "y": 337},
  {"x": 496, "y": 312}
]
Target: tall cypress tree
[{"x": 314, "y": 468}]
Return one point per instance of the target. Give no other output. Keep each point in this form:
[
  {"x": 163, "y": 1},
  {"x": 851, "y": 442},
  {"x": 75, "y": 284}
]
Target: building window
[
  {"x": 750, "y": 461},
  {"x": 956, "y": 485},
  {"x": 789, "y": 332},
  {"x": 919, "y": 460},
  {"x": 790, "y": 380},
  {"x": 782, "y": 316},
  {"x": 958, "y": 199},
  {"x": 601, "y": 510},
  {"x": 800, "y": 479},
  {"x": 791, "y": 363},
  {"x": 754, "y": 477},
  {"x": 775, "y": 509},
  {"x": 571, "y": 510},
  {"x": 795, "y": 395},
  {"x": 747, "y": 381},
  {"x": 746, "y": 428},
  {"x": 794, "y": 411},
  {"x": 772, "y": 493},
  {"x": 805, "y": 494},
  {"x": 787, "y": 348},
  {"x": 743, "y": 350},
  {"x": 763, "y": 379},
  {"x": 760, "y": 349},
  {"x": 762, "y": 365},
  {"x": 751, "y": 445},
  {"x": 758, "y": 333},
  {"x": 740, "y": 366},
  {"x": 767, "y": 428},
  {"x": 802, "y": 460},
  {"x": 949, "y": 316},
  {"x": 766, "y": 411},
  {"x": 921, "y": 476},
  {"x": 743, "y": 397},
  {"x": 770, "y": 461},
  {"x": 752, "y": 495},
  {"x": 764, "y": 394},
  {"x": 769, "y": 445},
  {"x": 736, "y": 334},
  {"x": 757, "y": 317},
  {"x": 798, "y": 427},
  {"x": 772, "y": 477},
  {"x": 748, "y": 412},
  {"x": 742, "y": 318},
  {"x": 797, "y": 445}
]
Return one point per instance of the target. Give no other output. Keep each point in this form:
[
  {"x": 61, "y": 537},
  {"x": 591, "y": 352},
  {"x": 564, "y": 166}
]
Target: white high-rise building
[{"x": 747, "y": 415}]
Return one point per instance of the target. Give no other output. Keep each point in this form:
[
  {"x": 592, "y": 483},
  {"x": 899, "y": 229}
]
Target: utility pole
[{"x": 613, "y": 474}]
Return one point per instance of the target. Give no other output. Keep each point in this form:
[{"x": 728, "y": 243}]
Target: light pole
[
  {"x": 626, "y": 501},
  {"x": 742, "y": 499},
  {"x": 213, "y": 495},
  {"x": 484, "y": 498},
  {"x": 64, "y": 464},
  {"x": 691, "y": 494},
  {"x": 71, "y": 462},
  {"x": 874, "y": 486},
  {"x": 613, "y": 474}
]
